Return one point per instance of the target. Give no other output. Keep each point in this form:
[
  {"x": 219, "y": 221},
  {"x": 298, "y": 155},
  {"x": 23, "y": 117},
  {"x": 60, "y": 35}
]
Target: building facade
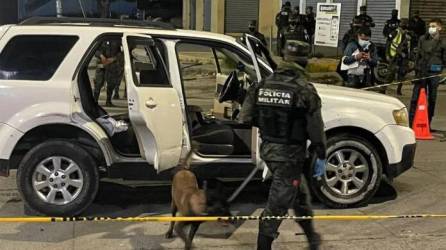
[{"x": 232, "y": 16}]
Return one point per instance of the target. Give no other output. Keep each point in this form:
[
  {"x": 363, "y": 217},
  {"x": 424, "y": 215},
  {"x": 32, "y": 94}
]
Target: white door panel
[{"x": 154, "y": 109}]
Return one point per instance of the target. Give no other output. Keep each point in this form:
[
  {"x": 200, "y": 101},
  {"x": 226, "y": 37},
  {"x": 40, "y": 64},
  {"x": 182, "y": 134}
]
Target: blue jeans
[{"x": 431, "y": 86}]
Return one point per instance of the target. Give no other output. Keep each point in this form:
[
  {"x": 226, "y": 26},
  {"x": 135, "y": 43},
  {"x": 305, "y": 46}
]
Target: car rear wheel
[
  {"x": 58, "y": 178},
  {"x": 353, "y": 172}
]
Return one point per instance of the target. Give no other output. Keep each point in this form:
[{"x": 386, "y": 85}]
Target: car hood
[{"x": 349, "y": 96}]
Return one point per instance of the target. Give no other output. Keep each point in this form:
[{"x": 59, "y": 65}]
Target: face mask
[
  {"x": 433, "y": 31},
  {"x": 363, "y": 43},
  {"x": 252, "y": 29}
]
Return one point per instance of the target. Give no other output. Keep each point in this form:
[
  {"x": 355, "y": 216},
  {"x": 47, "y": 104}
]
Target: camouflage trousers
[{"x": 286, "y": 191}]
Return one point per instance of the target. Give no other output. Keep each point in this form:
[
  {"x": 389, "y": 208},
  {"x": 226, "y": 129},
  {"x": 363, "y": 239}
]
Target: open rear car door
[
  {"x": 154, "y": 105},
  {"x": 258, "y": 53}
]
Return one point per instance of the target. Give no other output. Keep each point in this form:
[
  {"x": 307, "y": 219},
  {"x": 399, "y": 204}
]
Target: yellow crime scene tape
[
  {"x": 209, "y": 219},
  {"x": 408, "y": 81},
  {"x": 403, "y": 82}
]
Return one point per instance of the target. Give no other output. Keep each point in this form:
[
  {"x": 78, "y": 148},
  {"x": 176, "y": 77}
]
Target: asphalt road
[{"x": 420, "y": 190}]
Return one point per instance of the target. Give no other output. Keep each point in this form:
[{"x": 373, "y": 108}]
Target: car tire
[
  {"x": 58, "y": 178},
  {"x": 353, "y": 172}
]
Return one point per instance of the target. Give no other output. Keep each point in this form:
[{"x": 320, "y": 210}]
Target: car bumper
[
  {"x": 407, "y": 161},
  {"x": 4, "y": 168},
  {"x": 394, "y": 139}
]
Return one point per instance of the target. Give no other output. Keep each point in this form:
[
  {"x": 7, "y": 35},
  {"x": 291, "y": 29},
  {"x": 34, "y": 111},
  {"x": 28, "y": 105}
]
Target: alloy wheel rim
[
  {"x": 347, "y": 171},
  {"x": 57, "y": 180}
]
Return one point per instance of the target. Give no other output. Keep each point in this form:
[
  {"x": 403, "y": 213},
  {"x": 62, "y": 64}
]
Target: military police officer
[
  {"x": 310, "y": 21},
  {"x": 287, "y": 111},
  {"x": 296, "y": 31},
  {"x": 282, "y": 19},
  {"x": 253, "y": 31},
  {"x": 110, "y": 69},
  {"x": 391, "y": 25},
  {"x": 114, "y": 70},
  {"x": 363, "y": 20}
]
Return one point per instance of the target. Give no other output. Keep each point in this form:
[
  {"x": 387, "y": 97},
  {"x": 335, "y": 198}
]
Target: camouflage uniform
[
  {"x": 286, "y": 160},
  {"x": 110, "y": 72}
]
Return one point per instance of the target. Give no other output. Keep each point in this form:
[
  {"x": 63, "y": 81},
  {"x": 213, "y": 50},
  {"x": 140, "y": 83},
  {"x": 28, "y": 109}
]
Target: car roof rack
[{"x": 101, "y": 22}]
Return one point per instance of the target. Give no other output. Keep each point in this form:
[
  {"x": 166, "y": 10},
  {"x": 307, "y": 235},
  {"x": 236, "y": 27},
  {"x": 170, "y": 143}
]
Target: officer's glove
[{"x": 319, "y": 167}]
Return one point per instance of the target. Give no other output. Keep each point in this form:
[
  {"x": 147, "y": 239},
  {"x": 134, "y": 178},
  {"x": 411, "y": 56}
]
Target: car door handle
[{"x": 151, "y": 104}]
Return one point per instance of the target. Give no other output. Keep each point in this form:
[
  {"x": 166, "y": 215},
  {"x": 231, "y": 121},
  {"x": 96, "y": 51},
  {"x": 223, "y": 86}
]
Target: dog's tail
[{"x": 185, "y": 162}]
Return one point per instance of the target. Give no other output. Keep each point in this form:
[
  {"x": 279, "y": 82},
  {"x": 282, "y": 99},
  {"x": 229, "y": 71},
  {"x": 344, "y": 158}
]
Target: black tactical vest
[
  {"x": 284, "y": 16},
  {"x": 280, "y": 111}
]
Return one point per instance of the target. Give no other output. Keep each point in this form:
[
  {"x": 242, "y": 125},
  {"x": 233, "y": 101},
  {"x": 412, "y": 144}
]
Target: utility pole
[{"x": 59, "y": 9}]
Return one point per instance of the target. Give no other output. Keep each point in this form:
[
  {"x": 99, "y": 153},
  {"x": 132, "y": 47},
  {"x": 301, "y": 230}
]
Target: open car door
[
  {"x": 257, "y": 50},
  {"x": 154, "y": 105}
]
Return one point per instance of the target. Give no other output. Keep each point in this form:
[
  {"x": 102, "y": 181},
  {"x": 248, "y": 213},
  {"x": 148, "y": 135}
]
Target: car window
[
  {"x": 199, "y": 74},
  {"x": 205, "y": 69},
  {"x": 30, "y": 57},
  {"x": 147, "y": 64}
]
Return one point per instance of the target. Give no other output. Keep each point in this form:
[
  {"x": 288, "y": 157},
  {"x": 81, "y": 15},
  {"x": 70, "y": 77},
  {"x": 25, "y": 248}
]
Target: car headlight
[{"x": 401, "y": 117}]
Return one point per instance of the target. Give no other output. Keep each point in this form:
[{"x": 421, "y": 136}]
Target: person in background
[
  {"x": 282, "y": 22},
  {"x": 417, "y": 26},
  {"x": 106, "y": 56},
  {"x": 310, "y": 21},
  {"x": 430, "y": 62},
  {"x": 114, "y": 70},
  {"x": 296, "y": 31},
  {"x": 361, "y": 56},
  {"x": 363, "y": 20},
  {"x": 296, "y": 12},
  {"x": 399, "y": 51},
  {"x": 391, "y": 25},
  {"x": 253, "y": 31}
]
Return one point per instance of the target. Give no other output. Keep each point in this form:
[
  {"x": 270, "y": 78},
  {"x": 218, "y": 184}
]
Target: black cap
[
  {"x": 363, "y": 8},
  {"x": 288, "y": 4}
]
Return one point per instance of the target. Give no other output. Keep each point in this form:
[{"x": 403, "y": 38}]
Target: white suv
[{"x": 50, "y": 127}]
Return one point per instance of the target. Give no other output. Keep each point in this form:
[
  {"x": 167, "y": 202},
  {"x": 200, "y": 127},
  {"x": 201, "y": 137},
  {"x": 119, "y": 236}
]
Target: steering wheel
[{"x": 230, "y": 89}]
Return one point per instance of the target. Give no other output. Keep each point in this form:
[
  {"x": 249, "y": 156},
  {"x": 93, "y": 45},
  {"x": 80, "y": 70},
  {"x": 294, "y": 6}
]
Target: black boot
[
  {"x": 108, "y": 103},
  {"x": 264, "y": 242},
  {"x": 314, "y": 239}
]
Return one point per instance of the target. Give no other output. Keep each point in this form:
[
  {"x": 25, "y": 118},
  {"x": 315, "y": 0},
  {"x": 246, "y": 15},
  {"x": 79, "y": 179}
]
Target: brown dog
[{"x": 189, "y": 200}]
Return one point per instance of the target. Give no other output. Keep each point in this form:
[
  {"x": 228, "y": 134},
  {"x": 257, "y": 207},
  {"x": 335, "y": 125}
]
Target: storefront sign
[{"x": 328, "y": 17}]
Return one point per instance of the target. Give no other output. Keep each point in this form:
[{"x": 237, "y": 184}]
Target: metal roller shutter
[
  {"x": 380, "y": 11},
  {"x": 207, "y": 15},
  {"x": 238, "y": 13},
  {"x": 348, "y": 11},
  {"x": 429, "y": 9},
  {"x": 193, "y": 14}
]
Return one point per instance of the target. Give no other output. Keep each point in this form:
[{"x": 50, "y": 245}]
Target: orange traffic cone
[{"x": 421, "y": 120}]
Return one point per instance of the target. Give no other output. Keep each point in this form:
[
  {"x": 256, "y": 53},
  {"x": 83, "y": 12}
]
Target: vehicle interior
[
  {"x": 214, "y": 79},
  {"x": 214, "y": 82},
  {"x": 124, "y": 142}
]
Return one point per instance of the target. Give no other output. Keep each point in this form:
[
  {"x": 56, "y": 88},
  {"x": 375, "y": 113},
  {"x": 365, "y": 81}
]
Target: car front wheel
[
  {"x": 353, "y": 172},
  {"x": 58, "y": 178}
]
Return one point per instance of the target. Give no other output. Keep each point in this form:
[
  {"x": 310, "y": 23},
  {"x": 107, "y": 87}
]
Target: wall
[
  {"x": 218, "y": 16},
  {"x": 267, "y": 17}
]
